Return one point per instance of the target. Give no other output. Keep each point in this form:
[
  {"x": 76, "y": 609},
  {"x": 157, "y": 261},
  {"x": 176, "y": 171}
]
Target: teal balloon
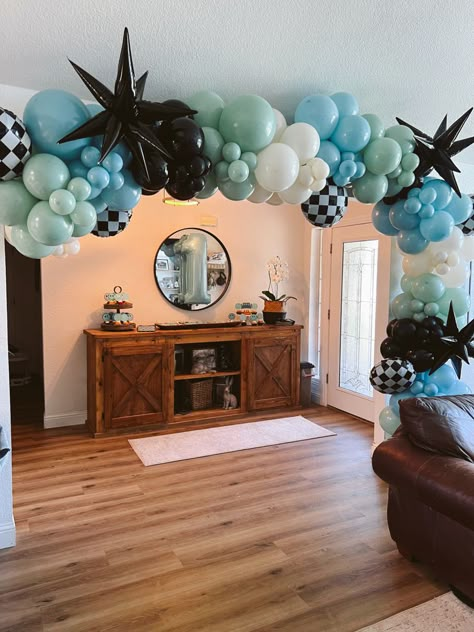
[
  {"x": 82, "y": 231},
  {"x": 248, "y": 121},
  {"x": 431, "y": 390},
  {"x": 370, "y": 189},
  {"x": 213, "y": 144},
  {"x": 43, "y": 174},
  {"x": 80, "y": 188},
  {"x": 428, "y": 287},
  {"x": 209, "y": 106},
  {"x": 113, "y": 162},
  {"x": 98, "y": 177},
  {"x": 352, "y": 133},
  {"x": 51, "y": 114},
  {"x": 77, "y": 169},
  {"x": 406, "y": 283},
  {"x": 431, "y": 309},
  {"x": 84, "y": 214},
  {"x": 444, "y": 192},
  {"x": 377, "y": 129},
  {"x": 381, "y": 219},
  {"x": 438, "y": 227},
  {"x": 417, "y": 306},
  {"x": 48, "y": 227},
  {"x": 401, "y": 219},
  {"x": 321, "y": 112},
  {"x": 460, "y": 299},
  {"x": 382, "y": 156},
  {"x": 460, "y": 208},
  {"x": 99, "y": 205},
  {"x": 411, "y": 242},
  {"x": 126, "y": 198},
  {"x": 231, "y": 152},
  {"x": 346, "y": 103},
  {"x": 404, "y": 137},
  {"x": 396, "y": 397},
  {"x": 15, "y": 202},
  {"x": 210, "y": 188},
  {"x": 250, "y": 159},
  {"x": 237, "y": 191},
  {"x": 443, "y": 378},
  {"x": 401, "y": 305},
  {"x": 389, "y": 420},
  {"x": 331, "y": 155},
  {"x": 222, "y": 171},
  {"x": 62, "y": 202},
  {"x": 238, "y": 171},
  {"x": 459, "y": 388},
  {"x": 393, "y": 187},
  {"x": 29, "y": 247},
  {"x": 90, "y": 156}
]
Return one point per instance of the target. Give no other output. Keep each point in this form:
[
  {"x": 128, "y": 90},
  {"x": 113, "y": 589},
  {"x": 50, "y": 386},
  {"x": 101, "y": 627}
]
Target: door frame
[{"x": 357, "y": 214}]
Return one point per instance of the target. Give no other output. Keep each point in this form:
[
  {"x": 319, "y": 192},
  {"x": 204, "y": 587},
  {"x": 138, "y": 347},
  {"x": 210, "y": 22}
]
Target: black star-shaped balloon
[
  {"x": 454, "y": 345},
  {"x": 436, "y": 152},
  {"x": 126, "y": 116}
]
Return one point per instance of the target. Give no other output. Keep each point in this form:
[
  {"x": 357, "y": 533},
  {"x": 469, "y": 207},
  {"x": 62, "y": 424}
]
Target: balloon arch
[{"x": 68, "y": 170}]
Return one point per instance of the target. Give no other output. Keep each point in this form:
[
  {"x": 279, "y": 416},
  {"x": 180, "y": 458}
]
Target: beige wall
[{"x": 73, "y": 288}]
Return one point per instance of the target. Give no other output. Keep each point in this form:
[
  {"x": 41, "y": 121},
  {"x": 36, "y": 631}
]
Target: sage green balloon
[
  {"x": 81, "y": 231},
  {"x": 84, "y": 214},
  {"x": 371, "y": 188},
  {"x": 404, "y": 137},
  {"x": 209, "y": 106},
  {"x": 237, "y": 191},
  {"x": 213, "y": 144},
  {"x": 238, "y": 171},
  {"x": 62, "y": 202},
  {"x": 210, "y": 189},
  {"x": 24, "y": 243},
  {"x": 382, "y": 156},
  {"x": 377, "y": 130},
  {"x": 15, "y": 202},
  {"x": 43, "y": 174},
  {"x": 249, "y": 121},
  {"x": 48, "y": 227},
  {"x": 459, "y": 298}
]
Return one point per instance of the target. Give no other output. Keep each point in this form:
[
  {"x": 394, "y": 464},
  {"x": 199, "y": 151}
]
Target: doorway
[{"x": 25, "y": 337}]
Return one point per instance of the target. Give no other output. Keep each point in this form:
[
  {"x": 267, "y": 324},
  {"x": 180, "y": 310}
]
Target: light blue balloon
[
  {"x": 99, "y": 205},
  {"x": 443, "y": 378},
  {"x": 411, "y": 242},
  {"x": 396, "y": 397},
  {"x": 121, "y": 149},
  {"x": 444, "y": 192},
  {"x": 113, "y": 162},
  {"x": 47, "y": 227},
  {"x": 330, "y": 154},
  {"x": 431, "y": 390},
  {"x": 321, "y": 112},
  {"x": 438, "y": 227},
  {"x": 94, "y": 108},
  {"x": 237, "y": 191},
  {"x": 459, "y": 388},
  {"x": 126, "y": 198},
  {"x": 43, "y": 174},
  {"x": 116, "y": 181},
  {"x": 401, "y": 219},
  {"x": 340, "y": 180},
  {"x": 347, "y": 168},
  {"x": 417, "y": 387},
  {"x": 90, "y": 156},
  {"x": 381, "y": 219},
  {"x": 460, "y": 299},
  {"x": 77, "y": 169},
  {"x": 460, "y": 208},
  {"x": 29, "y": 247},
  {"x": 389, "y": 420},
  {"x": 346, "y": 103},
  {"x": 98, "y": 177},
  {"x": 352, "y": 133},
  {"x": 50, "y": 115}
]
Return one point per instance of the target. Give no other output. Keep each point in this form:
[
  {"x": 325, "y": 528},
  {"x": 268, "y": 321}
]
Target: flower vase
[{"x": 273, "y": 311}]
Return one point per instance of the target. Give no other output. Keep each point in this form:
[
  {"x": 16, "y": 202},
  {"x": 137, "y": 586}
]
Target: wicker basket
[{"x": 200, "y": 393}]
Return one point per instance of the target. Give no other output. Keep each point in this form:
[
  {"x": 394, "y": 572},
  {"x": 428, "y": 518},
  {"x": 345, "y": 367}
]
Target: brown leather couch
[{"x": 429, "y": 466}]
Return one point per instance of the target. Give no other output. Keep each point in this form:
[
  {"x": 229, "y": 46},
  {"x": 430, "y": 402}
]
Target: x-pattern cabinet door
[
  {"x": 273, "y": 380},
  {"x": 135, "y": 383}
]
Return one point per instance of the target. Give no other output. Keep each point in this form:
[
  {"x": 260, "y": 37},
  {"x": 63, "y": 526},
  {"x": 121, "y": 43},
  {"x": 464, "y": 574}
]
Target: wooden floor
[{"x": 286, "y": 538}]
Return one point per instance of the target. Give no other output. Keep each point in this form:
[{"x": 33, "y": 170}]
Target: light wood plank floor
[{"x": 286, "y": 538}]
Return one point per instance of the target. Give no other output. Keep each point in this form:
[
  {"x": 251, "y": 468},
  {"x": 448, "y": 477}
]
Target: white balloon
[
  {"x": 439, "y": 257},
  {"x": 319, "y": 169},
  {"x": 277, "y": 167},
  {"x": 305, "y": 176},
  {"x": 275, "y": 200},
  {"x": 8, "y": 234},
  {"x": 457, "y": 275},
  {"x": 259, "y": 195},
  {"x": 296, "y": 194},
  {"x": 413, "y": 265},
  {"x": 452, "y": 243},
  {"x": 303, "y": 138},
  {"x": 58, "y": 251},
  {"x": 467, "y": 248},
  {"x": 281, "y": 125},
  {"x": 453, "y": 259},
  {"x": 72, "y": 248},
  {"x": 318, "y": 185},
  {"x": 442, "y": 268}
]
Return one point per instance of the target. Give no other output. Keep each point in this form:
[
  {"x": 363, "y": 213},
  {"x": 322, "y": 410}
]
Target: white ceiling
[{"x": 410, "y": 58}]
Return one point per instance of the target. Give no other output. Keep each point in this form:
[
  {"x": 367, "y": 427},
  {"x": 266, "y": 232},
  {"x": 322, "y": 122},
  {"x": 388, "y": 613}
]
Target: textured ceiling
[{"x": 410, "y": 58}]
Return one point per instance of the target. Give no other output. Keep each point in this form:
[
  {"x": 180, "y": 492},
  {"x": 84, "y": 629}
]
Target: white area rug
[
  {"x": 441, "y": 614},
  {"x": 197, "y": 443}
]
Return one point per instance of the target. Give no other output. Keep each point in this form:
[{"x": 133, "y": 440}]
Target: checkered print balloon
[
  {"x": 392, "y": 376},
  {"x": 15, "y": 145},
  {"x": 467, "y": 227},
  {"x": 326, "y": 208},
  {"x": 111, "y": 223}
]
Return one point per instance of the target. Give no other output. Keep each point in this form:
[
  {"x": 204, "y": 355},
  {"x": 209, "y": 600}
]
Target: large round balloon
[
  {"x": 111, "y": 223},
  {"x": 209, "y": 106},
  {"x": 326, "y": 208},
  {"x": 43, "y": 174},
  {"x": 48, "y": 227},
  {"x": 303, "y": 138},
  {"x": 182, "y": 137},
  {"x": 321, "y": 112},
  {"x": 126, "y": 197},
  {"x": 29, "y": 247},
  {"x": 392, "y": 376},
  {"x": 15, "y": 202},
  {"x": 277, "y": 167},
  {"x": 249, "y": 121},
  {"x": 15, "y": 145},
  {"x": 50, "y": 115}
]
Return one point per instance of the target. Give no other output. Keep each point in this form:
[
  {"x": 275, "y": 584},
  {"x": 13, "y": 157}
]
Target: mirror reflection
[{"x": 192, "y": 269}]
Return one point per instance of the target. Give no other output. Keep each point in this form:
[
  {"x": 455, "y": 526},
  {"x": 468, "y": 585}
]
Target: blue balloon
[
  {"x": 460, "y": 208},
  {"x": 320, "y": 111},
  {"x": 444, "y": 192},
  {"x": 401, "y": 219},
  {"x": 99, "y": 204},
  {"x": 352, "y": 133},
  {"x": 346, "y": 103},
  {"x": 126, "y": 198},
  {"x": 396, "y": 397},
  {"x": 444, "y": 378},
  {"x": 331, "y": 155},
  {"x": 77, "y": 169},
  {"x": 438, "y": 227},
  {"x": 94, "y": 108},
  {"x": 50, "y": 115},
  {"x": 340, "y": 180},
  {"x": 381, "y": 220},
  {"x": 411, "y": 242},
  {"x": 459, "y": 388}
]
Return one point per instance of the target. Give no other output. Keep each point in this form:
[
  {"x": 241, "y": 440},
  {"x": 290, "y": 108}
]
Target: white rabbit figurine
[{"x": 230, "y": 400}]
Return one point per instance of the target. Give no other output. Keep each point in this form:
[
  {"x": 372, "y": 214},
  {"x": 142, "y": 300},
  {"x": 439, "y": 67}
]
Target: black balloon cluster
[{"x": 413, "y": 341}]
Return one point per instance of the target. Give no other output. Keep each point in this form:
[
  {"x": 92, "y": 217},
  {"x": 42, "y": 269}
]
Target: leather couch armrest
[{"x": 444, "y": 483}]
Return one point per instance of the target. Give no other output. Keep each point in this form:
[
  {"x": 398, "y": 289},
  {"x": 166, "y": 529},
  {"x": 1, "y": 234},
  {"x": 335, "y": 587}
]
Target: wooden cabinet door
[
  {"x": 135, "y": 383},
  {"x": 272, "y": 373}
]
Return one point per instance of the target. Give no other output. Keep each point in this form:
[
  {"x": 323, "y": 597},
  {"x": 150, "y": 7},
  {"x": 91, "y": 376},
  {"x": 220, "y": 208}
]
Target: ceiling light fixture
[{"x": 168, "y": 199}]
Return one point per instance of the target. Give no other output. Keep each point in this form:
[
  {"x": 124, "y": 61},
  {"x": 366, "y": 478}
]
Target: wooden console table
[{"x": 138, "y": 381}]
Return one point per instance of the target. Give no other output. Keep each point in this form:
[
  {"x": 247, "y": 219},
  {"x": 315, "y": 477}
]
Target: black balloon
[
  {"x": 183, "y": 190},
  {"x": 183, "y": 138},
  {"x": 390, "y": 327},
  {"x": 422, "y": 359},
  {"x": 158, "y": 175},
  {"x": 390, "y": 349},
  {"x": 404, "y": 328}
]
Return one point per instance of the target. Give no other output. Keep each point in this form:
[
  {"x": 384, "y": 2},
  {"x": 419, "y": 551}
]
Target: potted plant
[{"x": 274, "y": 303}]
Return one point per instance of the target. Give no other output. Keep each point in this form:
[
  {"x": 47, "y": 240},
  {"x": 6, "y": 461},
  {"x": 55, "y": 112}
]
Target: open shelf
[{"x": 200, "y": 376}]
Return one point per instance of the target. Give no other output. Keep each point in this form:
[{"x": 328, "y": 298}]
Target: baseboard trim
[
  {"x": 65, "y": 419},
  {"x": 7, "y": 535}
]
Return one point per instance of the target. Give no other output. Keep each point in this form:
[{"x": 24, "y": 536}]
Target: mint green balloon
[
  {"x": 209, "y": 106},
  {"x": 406, "y": 283},
  {"x": 213, "y": 144},
  {"x": 81, "y": 231},
  {"x": 237, "y": 191},
  {"x": 29, "y": 247},
  {"x": 428, "y": 288},
  {"x": 15, "y": 202},
  {"x": 43, "y": 174},
  {"x": 210, "y": 189},
  {"x": 84, "y": 214},
  {"x": 401, "y": 306},
  {"x": 221, "y": 171},
  {"x": 389, "y": 420},
  {"x": 377, "y": 129},
  {"x": 404, "y": 137},
  {"x": 47, "y": 227},
  {"x": 250, "y": 158},
  {"x": 382, "y": 156},
  {"x": 80, "y": 188},
  {"x": 62, "y": 202},
  {"x": 371, "y": 188},
  {"x": 231, "y": 152},
  {"x": 238, "y": 171},
  {"x": 249, "y": 121},
  {"x": 460, "y": 299}
]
